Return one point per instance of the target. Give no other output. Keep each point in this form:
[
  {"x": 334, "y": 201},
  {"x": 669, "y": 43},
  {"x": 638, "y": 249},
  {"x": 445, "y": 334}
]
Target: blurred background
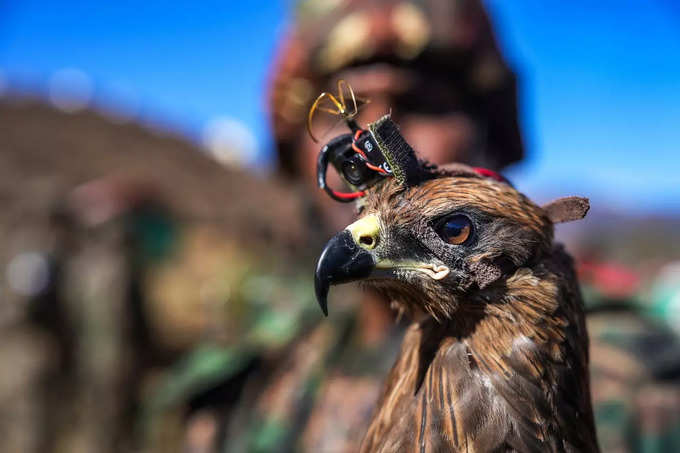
[{"x": 160, "y": 222}]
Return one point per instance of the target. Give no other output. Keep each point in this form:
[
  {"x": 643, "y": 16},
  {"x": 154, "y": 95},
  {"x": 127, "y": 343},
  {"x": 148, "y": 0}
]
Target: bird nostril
[{"x": 367, "y": 241}]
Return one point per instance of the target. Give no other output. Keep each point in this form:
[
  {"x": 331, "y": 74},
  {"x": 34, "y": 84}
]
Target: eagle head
[{"x": 428, "y": 245}]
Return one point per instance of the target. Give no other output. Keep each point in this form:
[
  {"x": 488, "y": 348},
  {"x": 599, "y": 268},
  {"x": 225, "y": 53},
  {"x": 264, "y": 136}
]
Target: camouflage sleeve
[{"x": 635, "y": 368}]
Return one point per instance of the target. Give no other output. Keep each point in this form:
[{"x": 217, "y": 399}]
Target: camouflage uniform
[{"x": 635, "y": 364}]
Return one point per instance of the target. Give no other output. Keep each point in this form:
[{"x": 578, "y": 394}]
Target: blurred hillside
[{"x": 46, "y": 153}]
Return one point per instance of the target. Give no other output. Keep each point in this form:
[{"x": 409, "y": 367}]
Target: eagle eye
[{"x": 455, "y": 229}]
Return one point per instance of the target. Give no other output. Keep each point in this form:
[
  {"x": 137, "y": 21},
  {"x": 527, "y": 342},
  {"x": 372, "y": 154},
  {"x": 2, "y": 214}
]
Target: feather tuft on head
[{"x": 567, "y": 209}]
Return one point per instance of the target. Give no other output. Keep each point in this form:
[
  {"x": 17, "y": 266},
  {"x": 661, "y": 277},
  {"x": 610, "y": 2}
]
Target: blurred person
[
  {"x": 203, "y": 300},
  {"x": 436, "y": 67}
]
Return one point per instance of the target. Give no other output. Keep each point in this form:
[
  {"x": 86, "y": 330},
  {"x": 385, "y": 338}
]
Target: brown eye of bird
[{"x": 456, "y": 229}]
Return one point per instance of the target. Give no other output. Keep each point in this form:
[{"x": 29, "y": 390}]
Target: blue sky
[{"x": 600, "y": 93}]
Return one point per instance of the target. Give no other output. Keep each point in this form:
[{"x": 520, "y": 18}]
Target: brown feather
[{"x": 498, "y": 362}]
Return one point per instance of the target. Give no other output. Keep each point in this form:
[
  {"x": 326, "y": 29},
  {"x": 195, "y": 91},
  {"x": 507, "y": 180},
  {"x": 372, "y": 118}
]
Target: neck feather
[{"x": 510, "y": 368}]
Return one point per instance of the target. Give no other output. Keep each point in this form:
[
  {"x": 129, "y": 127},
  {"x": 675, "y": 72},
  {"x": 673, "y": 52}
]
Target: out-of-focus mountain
[{"x": 45, "y": 153}]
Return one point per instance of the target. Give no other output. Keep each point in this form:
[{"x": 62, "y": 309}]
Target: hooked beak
[
  {"x": 349, "y": 256},
  {"x": 342, "y": 261}
]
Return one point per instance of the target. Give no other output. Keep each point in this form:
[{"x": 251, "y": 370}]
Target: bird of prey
[{"x": 496, "y": 358}]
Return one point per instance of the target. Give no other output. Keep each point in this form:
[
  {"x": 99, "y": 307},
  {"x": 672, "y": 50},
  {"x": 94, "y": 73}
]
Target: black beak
[{"x": 342, "y": 261}]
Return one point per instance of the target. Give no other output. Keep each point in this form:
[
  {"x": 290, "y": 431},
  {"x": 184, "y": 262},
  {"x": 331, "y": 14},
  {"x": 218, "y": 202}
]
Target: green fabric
[{"x": 200, "y": 370}]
